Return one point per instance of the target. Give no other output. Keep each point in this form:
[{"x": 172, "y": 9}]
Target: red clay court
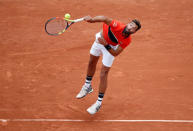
[{"x": 150, "y": 84}]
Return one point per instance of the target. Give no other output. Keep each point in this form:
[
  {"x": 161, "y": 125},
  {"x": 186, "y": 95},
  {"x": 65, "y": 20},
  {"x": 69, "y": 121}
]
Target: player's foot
[
  {"x": 94, "y": 108},
  {"x": 84, "y": 91}
]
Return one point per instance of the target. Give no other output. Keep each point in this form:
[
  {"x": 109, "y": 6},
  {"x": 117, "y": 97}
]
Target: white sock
[
  {"x": 88, "y": 81},
  {"x": 100, "y": 98}
]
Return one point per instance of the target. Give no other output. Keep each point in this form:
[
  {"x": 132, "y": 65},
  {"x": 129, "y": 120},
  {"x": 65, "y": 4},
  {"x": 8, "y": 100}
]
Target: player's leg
[
  {"x": 94, "y": 57},
  {"x": 102, "y": 88},
  {"x": 103, "y": 79},
  {"x": 87, "y": 88},
  {"x": 91, "y": 70},
  {"x": 92, "y": 65},
  {"x": 103, "y": 83},
  {"x": 107, "y": 63}
]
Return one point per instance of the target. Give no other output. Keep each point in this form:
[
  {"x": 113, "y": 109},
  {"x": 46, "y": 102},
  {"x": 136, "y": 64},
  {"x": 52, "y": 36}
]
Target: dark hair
[{"x": 137, "y": 23}]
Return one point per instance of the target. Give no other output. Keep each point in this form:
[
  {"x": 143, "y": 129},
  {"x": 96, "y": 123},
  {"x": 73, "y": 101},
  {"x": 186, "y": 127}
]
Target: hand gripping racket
[{"x": 58, "y": 25}]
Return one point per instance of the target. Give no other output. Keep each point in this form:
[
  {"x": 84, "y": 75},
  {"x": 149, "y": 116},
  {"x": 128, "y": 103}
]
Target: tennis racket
[{"x": 58, "y": 25}]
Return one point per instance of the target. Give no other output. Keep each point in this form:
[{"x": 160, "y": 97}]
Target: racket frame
[{"x": 67, "y": 26}]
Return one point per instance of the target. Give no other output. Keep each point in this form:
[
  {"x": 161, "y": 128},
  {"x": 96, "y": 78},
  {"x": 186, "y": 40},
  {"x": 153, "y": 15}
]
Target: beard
[{"x": 126, "y": 33}]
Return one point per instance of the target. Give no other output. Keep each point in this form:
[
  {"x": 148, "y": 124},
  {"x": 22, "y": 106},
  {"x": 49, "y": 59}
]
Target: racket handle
[{"x": 78, "y": 20}]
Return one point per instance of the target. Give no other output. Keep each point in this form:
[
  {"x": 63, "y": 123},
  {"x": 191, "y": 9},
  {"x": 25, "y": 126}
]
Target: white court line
[{"x": 73, "y": 120}]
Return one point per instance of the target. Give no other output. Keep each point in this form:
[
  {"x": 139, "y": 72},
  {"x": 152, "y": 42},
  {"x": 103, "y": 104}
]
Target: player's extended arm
[{"x": 104, "y": 19}]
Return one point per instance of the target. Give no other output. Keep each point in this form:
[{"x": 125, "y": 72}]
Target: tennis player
[{"x": 110, "y": 42}]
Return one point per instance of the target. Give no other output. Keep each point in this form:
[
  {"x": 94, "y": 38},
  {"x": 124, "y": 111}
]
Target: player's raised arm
[{"x": 104, "y": 19}]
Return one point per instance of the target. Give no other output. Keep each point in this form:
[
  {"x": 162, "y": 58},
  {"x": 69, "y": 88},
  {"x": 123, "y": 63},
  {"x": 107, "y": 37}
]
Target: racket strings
[{"x": 56, "y": 26}]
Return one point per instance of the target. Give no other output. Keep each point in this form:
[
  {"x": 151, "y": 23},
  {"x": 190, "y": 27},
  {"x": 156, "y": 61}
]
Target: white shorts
[{"x": 97, "y": 49}]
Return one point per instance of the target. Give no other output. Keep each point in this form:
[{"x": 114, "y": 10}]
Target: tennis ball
[{"x": 67, "y": 16}]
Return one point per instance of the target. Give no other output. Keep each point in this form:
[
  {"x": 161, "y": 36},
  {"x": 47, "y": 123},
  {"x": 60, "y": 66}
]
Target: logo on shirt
[{"x": 114, "y": 24}]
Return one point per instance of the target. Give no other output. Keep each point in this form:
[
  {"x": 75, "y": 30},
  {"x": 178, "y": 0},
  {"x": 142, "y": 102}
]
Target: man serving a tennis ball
[{"x": 110, "y": 42}]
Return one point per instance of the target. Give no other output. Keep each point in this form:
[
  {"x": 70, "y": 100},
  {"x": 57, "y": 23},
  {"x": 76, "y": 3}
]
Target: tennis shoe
[
  {"x": 94, "y": 108},
  {"x": 84, "y": 91}
]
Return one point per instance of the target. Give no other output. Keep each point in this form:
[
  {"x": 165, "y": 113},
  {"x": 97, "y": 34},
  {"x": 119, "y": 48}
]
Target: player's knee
[{"x": 104, "y": 73}]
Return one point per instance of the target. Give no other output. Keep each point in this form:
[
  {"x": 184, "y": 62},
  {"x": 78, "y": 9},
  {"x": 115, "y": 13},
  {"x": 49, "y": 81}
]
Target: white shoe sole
[
  {"x": 78, "y": 97},
  {"x": 92, "y": 111}
]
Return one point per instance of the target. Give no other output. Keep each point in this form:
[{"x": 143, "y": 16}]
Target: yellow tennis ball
[{"x": 67, "y": 16}]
